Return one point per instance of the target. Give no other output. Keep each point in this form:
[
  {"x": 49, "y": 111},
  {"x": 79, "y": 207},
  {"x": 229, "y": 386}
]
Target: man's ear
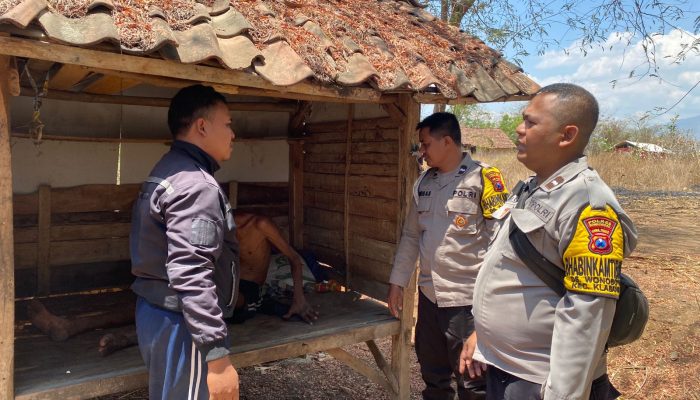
[
  {"x": 569, "y": 135},
  {"x": 200, "y": 124}
]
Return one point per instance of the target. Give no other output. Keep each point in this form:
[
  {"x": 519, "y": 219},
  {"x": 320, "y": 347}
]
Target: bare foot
[
  {"x": 55, "y": 327},
  {"x": 111, "y": 342}
]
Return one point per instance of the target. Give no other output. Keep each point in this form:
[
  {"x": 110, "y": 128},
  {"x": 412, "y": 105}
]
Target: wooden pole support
[
  {"x": 43, "y": 267},
  {"x": 7, "y": 267},
  {"x": 296, "y": 192}
]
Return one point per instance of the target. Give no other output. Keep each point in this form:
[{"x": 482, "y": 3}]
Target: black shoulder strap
[{"x": 549, "y": 273}]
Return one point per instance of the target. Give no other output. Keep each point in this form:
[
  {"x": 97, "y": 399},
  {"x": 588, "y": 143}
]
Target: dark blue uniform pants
[
  {"x": 176, "y": 369},
  {"x": 501, "y": 385},
  {"x": 440, "y": 333}
]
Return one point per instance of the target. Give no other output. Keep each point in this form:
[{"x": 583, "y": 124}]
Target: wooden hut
[{"x": 325, "y": 97}]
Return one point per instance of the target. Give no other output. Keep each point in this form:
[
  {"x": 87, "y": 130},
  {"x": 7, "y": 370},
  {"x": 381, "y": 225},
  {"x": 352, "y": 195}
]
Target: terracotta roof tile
[
  {"x": 486, "y": 138},
  {"x": 386, "y": 44}
]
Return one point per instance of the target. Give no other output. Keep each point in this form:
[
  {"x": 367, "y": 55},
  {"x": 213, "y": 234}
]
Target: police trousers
[
  {"x": 501, "y": 385},
  {"x": 440, "y": 333}
]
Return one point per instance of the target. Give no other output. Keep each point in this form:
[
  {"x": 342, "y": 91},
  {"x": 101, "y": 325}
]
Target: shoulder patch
[
  {"x": 593, "y": 258},
  {"x": 494, "y": 193}
]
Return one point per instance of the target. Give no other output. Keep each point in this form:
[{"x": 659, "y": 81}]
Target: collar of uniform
[
  {"x": 209, "y": 164},
  {"x": 467, "y": 165},
  {"x": 565, "y": 174}
]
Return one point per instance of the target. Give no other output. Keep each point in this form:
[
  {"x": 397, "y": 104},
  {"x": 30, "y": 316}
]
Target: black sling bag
[{"x": 631, "y": 310}]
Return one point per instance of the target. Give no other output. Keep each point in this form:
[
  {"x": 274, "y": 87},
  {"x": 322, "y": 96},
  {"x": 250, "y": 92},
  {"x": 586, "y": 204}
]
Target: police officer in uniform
[
  {"x": 450, "y": 226},
  {"x": 537, "y": 344},
  {"x": 184, "y": 254}
]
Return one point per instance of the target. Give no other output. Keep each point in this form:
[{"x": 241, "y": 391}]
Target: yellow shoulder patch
[
  {"x": 494, "y": 193},
  {"x": 593, "y": 259}
]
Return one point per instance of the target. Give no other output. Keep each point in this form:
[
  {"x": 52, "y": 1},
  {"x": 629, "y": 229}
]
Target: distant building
[
  {"x": 640, "y": 148},
  {"x": 486, "y": 139}
]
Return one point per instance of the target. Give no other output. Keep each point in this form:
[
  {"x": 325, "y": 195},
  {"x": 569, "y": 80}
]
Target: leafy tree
[{"x": 508, "y": 25}]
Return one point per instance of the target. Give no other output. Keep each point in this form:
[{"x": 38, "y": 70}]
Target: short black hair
[
  {"x": 442, "y": 124},
  {"x": 190, "y": 103},
  {"x": 575, "y": 106}
]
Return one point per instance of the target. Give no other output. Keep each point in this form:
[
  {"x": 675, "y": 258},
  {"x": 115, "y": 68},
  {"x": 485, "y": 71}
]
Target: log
[{"x": 7, "y": 271}]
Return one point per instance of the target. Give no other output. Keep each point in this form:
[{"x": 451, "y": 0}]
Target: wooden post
[
  {"x": 43, "y": 267},
  {"x": 7, "y": 268},
  {"x": 346, "y": 192},
  {"x": 296, "y": 192},
  {"x": 408, "y": 173}
]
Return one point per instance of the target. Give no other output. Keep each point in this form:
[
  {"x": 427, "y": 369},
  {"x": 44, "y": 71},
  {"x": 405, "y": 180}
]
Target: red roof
[
  {"x": 486, "y": 138},
  {"x": 389, "y": 45}
]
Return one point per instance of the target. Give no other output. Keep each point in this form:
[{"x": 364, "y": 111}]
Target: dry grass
[{"x": 625, "y": 171}]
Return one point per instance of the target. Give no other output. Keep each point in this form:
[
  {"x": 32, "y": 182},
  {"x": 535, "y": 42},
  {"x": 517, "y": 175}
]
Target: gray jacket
[
  {"x": 523, "y": 327},
  {"x": 184, "y": 251}
]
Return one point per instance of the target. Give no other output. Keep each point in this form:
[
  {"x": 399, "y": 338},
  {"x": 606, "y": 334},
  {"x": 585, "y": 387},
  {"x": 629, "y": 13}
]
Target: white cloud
[{"x": 614, "y": 61}]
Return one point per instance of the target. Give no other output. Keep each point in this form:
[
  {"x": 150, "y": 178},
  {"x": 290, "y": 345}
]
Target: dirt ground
[{"x": 663, "y": 364}]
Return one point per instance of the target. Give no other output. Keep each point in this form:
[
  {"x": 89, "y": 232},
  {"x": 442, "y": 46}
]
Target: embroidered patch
[
  {"x": 542, "y": 211},
  {"x": 462, "y": 170},
  {"x": 494, "y": 192},
  {"x": 424, "y": 193},
  {"x": 496, "y": 179},
  {"x": 554, "y": 183},
  {"x": 464, "y": 193},
  {"x": 600, "y": 231},
  {"x": 460, "y": 221},
  {"x": 593, "y": 258}
]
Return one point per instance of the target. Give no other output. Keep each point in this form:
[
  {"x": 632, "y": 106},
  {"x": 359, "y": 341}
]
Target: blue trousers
[{"x": 176, "y": 369}]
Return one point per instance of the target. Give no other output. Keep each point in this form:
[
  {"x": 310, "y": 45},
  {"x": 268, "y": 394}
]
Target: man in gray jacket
[
  {"x": 537, "y": 344},
  {"x": 184, "y": 255}
]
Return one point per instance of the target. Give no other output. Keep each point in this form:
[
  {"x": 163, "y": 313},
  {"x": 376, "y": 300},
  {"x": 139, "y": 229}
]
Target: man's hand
[
  {"x": 395, "y": 300},
  {"x": 222, "y": 380},
  {"x": 303, "y": 309},
  {"x": 467, "y": 363}
]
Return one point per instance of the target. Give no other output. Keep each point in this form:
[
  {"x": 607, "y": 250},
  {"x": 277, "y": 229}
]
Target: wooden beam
[
  {"x": 64, "y": 138},
  {"x": 199, "y": 73},
  {"x": 13, "y": 78},
  {"x": 286, "y": 106},
  {"x": 314, "y": 344},
  {"x": 296, "y": 120},
  {"x": 346, "y": 193},
  {"x": 408, "y": 173},
  {"x": 383, "y": 365},
  {"x": 296, "y": 193},
  {"x": 361, "y": 367},
  {"x": 7, "y": 267},
  {"x": 425, "y": 98},
  {"x": 43, "y": 264},
  {"x": 68, "y": 76},
  {"x": 233, "y": 194},
  {"x": 395, "y": 113},
  {"x": 111, "y": 84}
]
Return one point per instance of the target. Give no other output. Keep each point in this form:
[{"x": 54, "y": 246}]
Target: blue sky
[{"x": 629, "y": 97}]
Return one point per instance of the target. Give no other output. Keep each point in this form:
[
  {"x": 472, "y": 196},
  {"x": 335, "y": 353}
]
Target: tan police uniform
[
  {"x": 523, "y": 328},
  {"x": 450, "y": 226}
]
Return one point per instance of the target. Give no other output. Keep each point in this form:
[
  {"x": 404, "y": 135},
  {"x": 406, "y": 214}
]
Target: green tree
[
  {"x": 473, "y": 116},
  {"x": 508, "y": 25},
  {"x": 509, "y": 122}
]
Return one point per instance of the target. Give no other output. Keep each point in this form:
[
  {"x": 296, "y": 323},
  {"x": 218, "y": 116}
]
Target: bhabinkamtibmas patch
[
  {"x": 495, "y": 193},
  {"x": 593, "y": 259}
]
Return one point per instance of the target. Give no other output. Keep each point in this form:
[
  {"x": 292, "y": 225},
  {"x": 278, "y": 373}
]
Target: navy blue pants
[
  {"x": 176, "y": 369},
  {"x": 501, "y": 385},
  {"x": 440, "y": 333}
]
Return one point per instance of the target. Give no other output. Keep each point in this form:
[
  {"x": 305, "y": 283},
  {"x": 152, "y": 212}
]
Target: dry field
[{"x": 663, "y": 198}]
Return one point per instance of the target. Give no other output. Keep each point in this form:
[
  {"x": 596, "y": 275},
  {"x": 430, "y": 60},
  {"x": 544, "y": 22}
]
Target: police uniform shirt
[
  {"x": 574, "y": 220},
  {"x": 449, "y": 224}
]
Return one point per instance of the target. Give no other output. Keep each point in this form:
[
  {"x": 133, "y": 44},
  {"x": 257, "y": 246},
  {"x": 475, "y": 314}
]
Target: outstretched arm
[{"x": 299, "y": 305}]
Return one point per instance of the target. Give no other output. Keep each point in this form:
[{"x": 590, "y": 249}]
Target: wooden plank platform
[{"x": 75, "y": 370}]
